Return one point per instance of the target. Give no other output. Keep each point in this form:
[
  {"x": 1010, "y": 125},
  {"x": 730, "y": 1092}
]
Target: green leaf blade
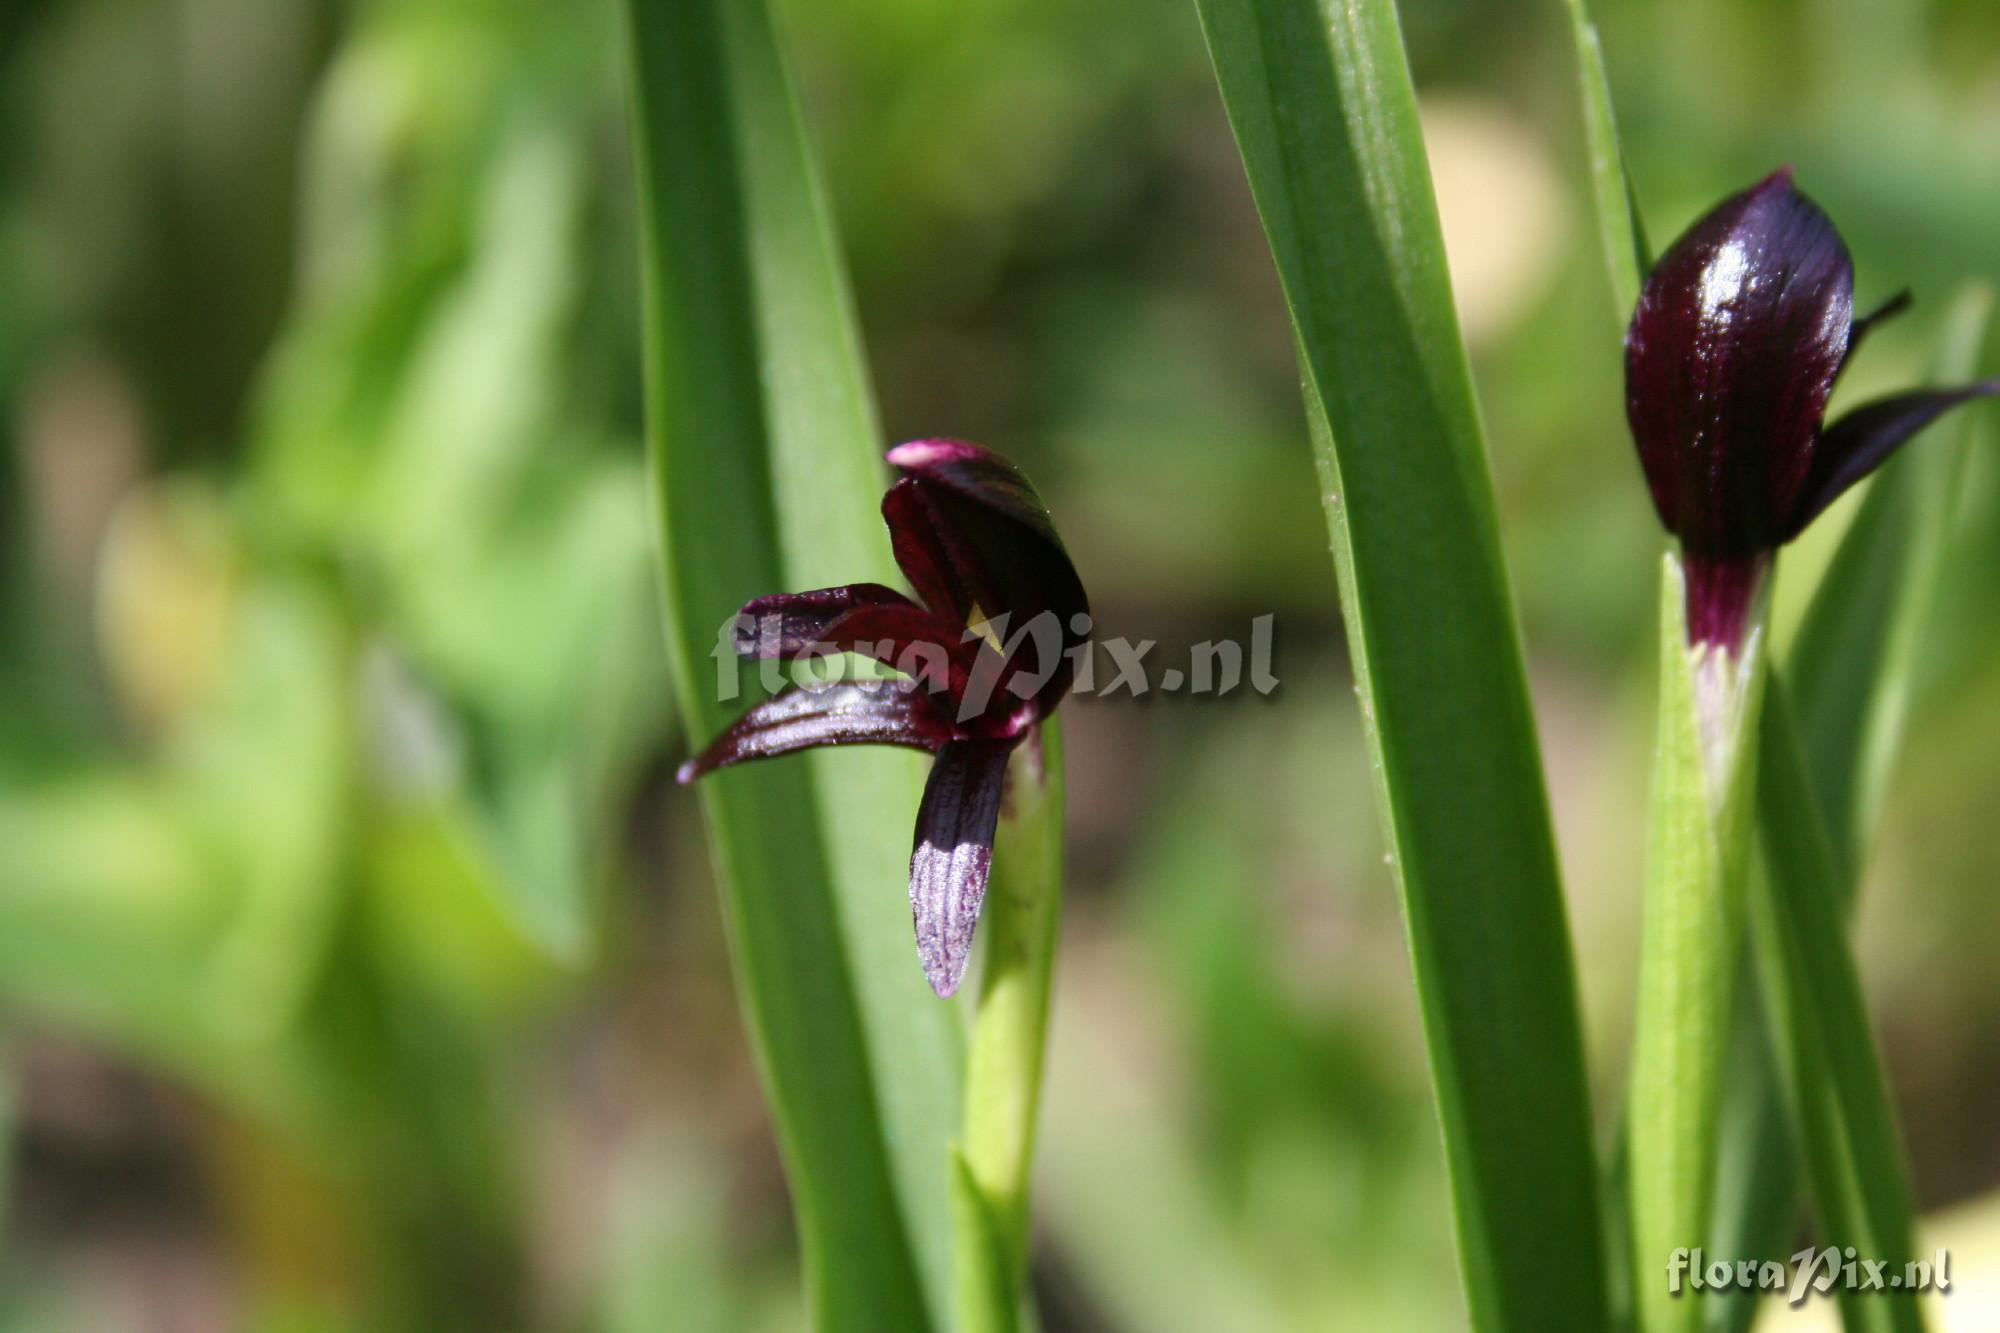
[
  {"x": 1852, "y": 664},
  {"x": 1839, "y": 1099},
  {"x": 768, "y": 475},
  {"x": 1324, "y": 115},
  {"x": 1621, "y": 230}
]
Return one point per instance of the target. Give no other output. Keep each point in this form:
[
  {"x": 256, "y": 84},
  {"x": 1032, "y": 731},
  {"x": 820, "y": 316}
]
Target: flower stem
[
  {"x": 1698, "y": 845},
  {"x": 1003, "y": 1077}
]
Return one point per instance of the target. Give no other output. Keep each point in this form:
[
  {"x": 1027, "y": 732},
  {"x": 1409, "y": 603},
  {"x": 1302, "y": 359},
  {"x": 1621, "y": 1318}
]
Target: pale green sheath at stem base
[
  {"x": 1003, "y": 1078},
  {"x": 1698, "y": 845}
]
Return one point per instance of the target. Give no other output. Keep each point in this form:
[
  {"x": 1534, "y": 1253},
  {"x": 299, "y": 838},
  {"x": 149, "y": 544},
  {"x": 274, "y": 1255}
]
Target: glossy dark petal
[
  {"x": 1739, "y": 334},
  {"x": 954, "y": 855},
  {"x": 872, "y": 712},
  {"x": 951, "y": 576},
  {"x": 975, "y": 540},
  {"x": 980, "y": 475},
  {"x": 787, "y": 624},
  {"x": 892, "y": 630},
  {"x": 936, "y": 565},
  {"x": 1862, "y": 441}
]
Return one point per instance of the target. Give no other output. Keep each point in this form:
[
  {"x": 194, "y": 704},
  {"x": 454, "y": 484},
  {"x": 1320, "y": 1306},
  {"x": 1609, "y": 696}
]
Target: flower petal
[
  {"x": 866, "y": 618},
  {"x": 866, "y": 712},
  {"x": 936, "y": 561},
  {"x": 954, "y": 855},
  {"x": 787, "y": 624},
  {"x": 975, "y": 540},
  {"x": 980, "y": 475},
  {"x": 1862, "y": 441},
  {"x": 1738, "y": 336}
]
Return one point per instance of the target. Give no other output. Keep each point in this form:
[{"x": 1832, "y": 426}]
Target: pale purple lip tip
[{"x": 945, "y": 962}]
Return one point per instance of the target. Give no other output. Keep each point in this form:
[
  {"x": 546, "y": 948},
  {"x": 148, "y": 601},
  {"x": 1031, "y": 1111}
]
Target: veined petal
[
  {"x": 1862, "y": 441},
  {"x": 954, "y": 855},
  {"x": 868, "y": 619},
  {"x": 948, "y": 575},
  {"x": 865, "y": 712},
  {"x": 786, "y": 624},
  {"x": 1739, "y": 334},
  {"x": 933, "y": 651}
]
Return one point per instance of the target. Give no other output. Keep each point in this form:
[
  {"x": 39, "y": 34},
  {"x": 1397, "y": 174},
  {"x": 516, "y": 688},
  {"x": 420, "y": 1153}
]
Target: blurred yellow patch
[
  {"x": 1501, "y": 206},
  {"x": 167, "y": 580}
]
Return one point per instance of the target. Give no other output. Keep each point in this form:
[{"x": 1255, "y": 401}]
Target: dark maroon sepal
[
  {"x": 975, "y": 540},
  {"x": 863, "y": 712},
  {"x": 787, "y": 624},
  {"x": 865, "y": 618},
  {"x": 1739, "y": 334},
  {"x": 953, "y": 855},
  {"x": 1863, "y": 440}
]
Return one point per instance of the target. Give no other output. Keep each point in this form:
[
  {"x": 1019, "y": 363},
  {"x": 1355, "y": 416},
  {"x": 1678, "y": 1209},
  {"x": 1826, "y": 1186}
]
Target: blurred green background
[{"x": 359, "y": 962}]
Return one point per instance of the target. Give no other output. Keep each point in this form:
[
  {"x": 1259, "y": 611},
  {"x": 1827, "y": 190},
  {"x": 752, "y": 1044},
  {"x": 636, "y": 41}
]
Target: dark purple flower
[
  {"x": 986, "y": 652},
  {"x": 1741, "y": 331}
]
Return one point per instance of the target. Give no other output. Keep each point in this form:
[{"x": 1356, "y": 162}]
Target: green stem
[
  {"x": 1699, "y": 841},
  {"x": 1003, "y": 1077}
]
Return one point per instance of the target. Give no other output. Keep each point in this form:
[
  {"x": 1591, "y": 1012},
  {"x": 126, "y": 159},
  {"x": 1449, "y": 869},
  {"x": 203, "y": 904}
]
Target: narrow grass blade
[
  {"x": 1839, "y": 1102},
  {"x": 764, "y": 450},
  {"x": 1622, "y": 232},
  {"x": 1320, "y": 100},
  {"x": 1853, "y": 661}
]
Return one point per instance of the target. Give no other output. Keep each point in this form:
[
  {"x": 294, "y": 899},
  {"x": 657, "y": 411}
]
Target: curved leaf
[
  {"x": 766, "y": 459},
  {"x": 1320, "y": 99}
]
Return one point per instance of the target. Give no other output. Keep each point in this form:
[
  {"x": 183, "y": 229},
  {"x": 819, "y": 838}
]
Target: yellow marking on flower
[{"x": 979, "y": 623}]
